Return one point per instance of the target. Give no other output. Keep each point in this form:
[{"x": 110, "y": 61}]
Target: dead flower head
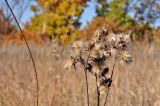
[{"x": 93, "y": 56}]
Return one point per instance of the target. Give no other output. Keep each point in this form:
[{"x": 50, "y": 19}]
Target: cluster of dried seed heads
[{"x": 93, "y": 55}]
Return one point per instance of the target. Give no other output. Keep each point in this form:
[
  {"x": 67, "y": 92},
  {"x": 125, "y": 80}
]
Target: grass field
[{"x": 137, "y": 84}]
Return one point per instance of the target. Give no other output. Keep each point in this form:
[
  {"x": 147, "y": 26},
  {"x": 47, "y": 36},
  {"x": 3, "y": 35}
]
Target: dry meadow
[{"x": 137, "y": 84}]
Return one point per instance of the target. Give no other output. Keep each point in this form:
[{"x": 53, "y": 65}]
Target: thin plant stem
[
  {"x": 34, "y": 66},
  {"x": 111, "y": 79},
  {"x": 107, "y": 96},
  {"x": 86, "y": 78},
  {"x": 2, "y": 100},
  {"x": 86, "y": 81},
  {"x": 98, "y": 93}
]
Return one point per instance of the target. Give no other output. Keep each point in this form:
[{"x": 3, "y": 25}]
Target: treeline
[{"x": 60, "y": 19}]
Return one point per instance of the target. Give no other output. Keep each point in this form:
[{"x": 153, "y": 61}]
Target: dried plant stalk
[
  {"x": 111, "y": 79},
  {"x": 86, "y": 77},
  {"x": 98, "y": 93},
  {"x": 34, "y": 66}
]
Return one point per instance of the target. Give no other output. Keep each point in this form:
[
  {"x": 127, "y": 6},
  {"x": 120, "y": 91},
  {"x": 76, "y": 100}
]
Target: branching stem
[
  {"x": 111, "y": 79},
  {"x": 86, "y": 77},
  {"x": 98, "y": 93}
]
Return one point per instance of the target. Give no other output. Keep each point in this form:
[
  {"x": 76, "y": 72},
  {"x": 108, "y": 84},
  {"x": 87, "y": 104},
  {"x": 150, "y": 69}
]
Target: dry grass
[{"x": 133, "y": 85}]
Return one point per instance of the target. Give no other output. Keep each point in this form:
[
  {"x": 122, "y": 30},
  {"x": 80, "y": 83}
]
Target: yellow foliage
[{"x": 56, "y": 18}]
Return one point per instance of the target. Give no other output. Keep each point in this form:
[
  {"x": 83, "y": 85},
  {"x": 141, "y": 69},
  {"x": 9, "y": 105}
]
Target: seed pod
[
  {"x": 110, "y": 82},
  {"x": 89, "y": 67},
  {"x": 107, "y": 82},
  {"x": 104, "y": 72},
  {"x": 91, "y": 46},
  {"x": 126, "y": 57}
]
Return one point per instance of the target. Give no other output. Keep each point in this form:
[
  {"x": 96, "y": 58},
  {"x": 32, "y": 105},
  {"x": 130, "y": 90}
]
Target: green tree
[
  {"x": 138, "y": 15},
  {"x": 115, "y": 10}
]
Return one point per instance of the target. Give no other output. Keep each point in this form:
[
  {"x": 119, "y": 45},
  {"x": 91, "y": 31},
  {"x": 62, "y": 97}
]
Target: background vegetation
[
  {"x": 136, "y": 85},
  {"x": 61, "y": 19}
]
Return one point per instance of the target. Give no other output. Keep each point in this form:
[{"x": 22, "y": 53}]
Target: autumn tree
[{"x": 58, "y": 18}]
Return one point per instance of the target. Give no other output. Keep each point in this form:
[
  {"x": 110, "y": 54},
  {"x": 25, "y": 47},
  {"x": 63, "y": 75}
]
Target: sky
[{"x": 89, "y": 14}]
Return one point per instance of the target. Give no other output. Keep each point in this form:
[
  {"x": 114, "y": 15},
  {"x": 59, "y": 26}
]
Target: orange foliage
[
  {"x": 18, "y": 39},
  {"x": 112, "y": 26},
  {"x": 5, "y": 26},
  {"x": 157, "y": 34}
]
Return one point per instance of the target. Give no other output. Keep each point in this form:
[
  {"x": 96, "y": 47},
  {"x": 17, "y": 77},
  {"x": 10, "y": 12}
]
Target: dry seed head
[
  {"x": 111, "y": 39},
  {"x": 101, "y": 34},
  {"x": 126, "y": 57},
  {"x": 97, "y": 46},
  {"x": 107, "y": 82},
  {"x": 77, "y": 45},
  {"x": 89, "y": 67},
  {"x": 107, "y": 54},
  {"x": 127, "y": 38},
  {"x": 104, "y": 72},
  {"x": 68, "y": 65},
  {"x": 91, "y": 45},
  {"x": 94, "y": 55}
]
